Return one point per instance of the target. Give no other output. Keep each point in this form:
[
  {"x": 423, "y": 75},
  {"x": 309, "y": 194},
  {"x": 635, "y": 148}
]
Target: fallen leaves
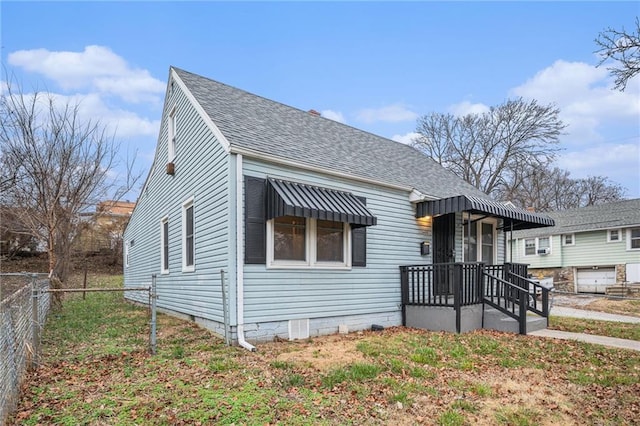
[{"x": 516, "y": 372}]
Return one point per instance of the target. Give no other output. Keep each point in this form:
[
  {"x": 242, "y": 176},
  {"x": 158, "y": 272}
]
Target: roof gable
[{"x": 262, "y": 126}]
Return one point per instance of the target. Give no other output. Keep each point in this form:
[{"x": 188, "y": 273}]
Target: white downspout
[{"x": 240, "y": 256}]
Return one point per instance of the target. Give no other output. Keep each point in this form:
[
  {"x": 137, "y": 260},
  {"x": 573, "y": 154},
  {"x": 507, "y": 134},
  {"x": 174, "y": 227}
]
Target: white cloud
[
  {"x": 333, "y": 115},
  {"x": 465, "y": 108},
  {"x": 96, "y": 68},
  {"x": 91, "y": 107},
  {"x": 585, "y": 97},
  {"x": 392, "y": 113},
  {"x": 619, "y": 162},
  {"x": 407, "y": 138}
]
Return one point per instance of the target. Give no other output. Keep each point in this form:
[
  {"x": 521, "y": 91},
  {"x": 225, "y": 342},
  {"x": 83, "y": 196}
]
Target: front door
[{"x": 444, "y": 252}]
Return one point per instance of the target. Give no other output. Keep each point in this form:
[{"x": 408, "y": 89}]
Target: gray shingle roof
[
  {"x": 259, "y": 124},
  {"x": 618, "y": 214}
]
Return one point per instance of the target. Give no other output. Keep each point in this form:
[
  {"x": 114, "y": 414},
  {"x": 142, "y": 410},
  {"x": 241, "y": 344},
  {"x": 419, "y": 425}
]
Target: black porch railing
[
  {"x": 442, "y": 284},
  {"x": 504, "y": 287},
  {"x": 508, "y": 298}
]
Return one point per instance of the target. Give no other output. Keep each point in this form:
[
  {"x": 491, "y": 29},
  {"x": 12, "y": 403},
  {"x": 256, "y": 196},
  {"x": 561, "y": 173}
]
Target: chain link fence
[
  {"x": 24, "y": 305},
  {"x": 82, "y": 322}
]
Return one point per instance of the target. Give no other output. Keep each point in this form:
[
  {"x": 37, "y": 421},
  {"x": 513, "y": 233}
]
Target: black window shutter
[
  {"x": 359, "y": 242},
  {"x": 255, "y": 222}
]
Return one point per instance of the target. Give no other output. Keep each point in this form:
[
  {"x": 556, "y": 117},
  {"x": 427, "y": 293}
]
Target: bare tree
[
  {"x": 623, "y": 49},
  {"x": 549, "y": 189},
  {"x": 488, "y": 150},
  {"x": 59, "y": 166},
  {"x": 598, "y": 190}
]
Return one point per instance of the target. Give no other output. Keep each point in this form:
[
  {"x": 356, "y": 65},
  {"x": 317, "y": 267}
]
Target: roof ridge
[
  {"x": 387, "y": 140},
  {"x": 263, "y": 125}
]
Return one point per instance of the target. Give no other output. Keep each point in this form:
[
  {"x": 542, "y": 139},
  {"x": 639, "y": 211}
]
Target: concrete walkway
[
  {"x": 588, "y": 338},
  {"x": 613, "y": 342},
  {"x": 562, "y": 311}
]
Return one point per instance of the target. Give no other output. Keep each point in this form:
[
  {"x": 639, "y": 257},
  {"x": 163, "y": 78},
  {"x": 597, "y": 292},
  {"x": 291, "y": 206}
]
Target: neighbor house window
[
  {"x": 537, "y": 246},
  {"x": 303, "y": 242},
  {"x": 544, "y": 243},
  {"x": 172, "y": 134},
  {"x": 568, "y": 240},
  {"x": 614, "y": 236},
  {"x": 529, "y": 246},
  {"x": 164, "y": 245},
  {"x": 188, "y": 236},
  {"x": 633, "y": 239}
]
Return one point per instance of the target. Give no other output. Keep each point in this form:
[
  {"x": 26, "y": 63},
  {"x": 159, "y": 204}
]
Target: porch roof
[
  {"x": 300, "y": 200},
  {"x": 514, "y": 218}
]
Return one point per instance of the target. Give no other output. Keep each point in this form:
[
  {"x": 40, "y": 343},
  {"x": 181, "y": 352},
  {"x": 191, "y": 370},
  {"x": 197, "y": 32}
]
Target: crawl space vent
[{"x": 299, "y": 329}]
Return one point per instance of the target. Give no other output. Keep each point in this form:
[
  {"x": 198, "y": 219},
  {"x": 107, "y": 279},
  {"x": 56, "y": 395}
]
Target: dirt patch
[
  {"x": 511, "y": 395},
  {"x": 616, "y": 306},
  {"x": 629, "y": 307},
  {"x": 324, "y": 354}
]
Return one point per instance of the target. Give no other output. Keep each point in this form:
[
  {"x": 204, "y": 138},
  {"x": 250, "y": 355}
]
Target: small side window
[
  {"x": 188, "y": 237},
  {"x": 164, "y": 245},
  {"x": 568, "y": 240},
  {"x": 633, "y": 236},
  {"x": 614, "y": 236}
]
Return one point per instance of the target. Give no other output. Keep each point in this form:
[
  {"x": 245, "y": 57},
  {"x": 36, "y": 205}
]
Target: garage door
[{"x": 595, "y": 280}]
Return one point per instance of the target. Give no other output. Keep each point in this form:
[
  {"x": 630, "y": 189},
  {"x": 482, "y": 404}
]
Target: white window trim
[
  {"x": 171, "y": 135},
  {"x": 524, "y": 247},
  {"x": 619, "y": 240},
  {"x": 310, "y": 250},
  {"x": 162, "y": 242},
  {"x": 185, "y": 205},
  {"x": 573, "y": 240},
  {"x": 628, "y": 232}
]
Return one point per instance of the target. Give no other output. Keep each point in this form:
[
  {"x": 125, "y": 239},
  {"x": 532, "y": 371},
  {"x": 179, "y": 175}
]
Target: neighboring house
[
  {"x": 306, "y": 221},
  {"x": 102, "y": 230},
  {"x": 588, "y": 250}
]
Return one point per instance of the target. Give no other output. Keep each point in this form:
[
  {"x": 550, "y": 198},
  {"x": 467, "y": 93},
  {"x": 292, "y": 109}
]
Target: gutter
[{"x": 240, "y": 258}]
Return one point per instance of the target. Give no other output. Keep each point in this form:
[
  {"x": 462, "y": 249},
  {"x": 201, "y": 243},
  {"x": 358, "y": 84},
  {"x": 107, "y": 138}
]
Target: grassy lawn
[
  {"x": 96, "y": 370},
  {"x": 600, "y": 328}
]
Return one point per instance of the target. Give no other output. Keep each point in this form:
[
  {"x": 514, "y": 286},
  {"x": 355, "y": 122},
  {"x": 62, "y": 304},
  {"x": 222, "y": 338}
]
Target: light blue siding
[
  {"x": 282, "y": 294},
  {"x": 201, "y": 172}
]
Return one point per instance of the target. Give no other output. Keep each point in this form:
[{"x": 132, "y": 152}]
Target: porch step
[{"x": 496, "y": 320}]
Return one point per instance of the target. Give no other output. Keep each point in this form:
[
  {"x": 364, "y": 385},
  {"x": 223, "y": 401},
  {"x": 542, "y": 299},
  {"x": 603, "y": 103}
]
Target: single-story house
[
  {"x": 589, "y": 249},
  {"x": 310, "y": 226}
]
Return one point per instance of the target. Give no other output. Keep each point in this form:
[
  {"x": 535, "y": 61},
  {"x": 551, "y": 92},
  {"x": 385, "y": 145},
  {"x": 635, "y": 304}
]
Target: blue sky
[{"x": 376, "y": 66}]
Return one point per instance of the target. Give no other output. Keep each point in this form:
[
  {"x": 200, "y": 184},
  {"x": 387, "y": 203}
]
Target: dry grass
[{"x": 97, "y": 371}]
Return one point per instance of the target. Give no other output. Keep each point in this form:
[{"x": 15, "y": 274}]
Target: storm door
[{"x": 444, "y": 252}]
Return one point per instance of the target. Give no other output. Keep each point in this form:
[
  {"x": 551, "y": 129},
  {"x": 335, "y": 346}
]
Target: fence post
[
  {"x": 35, "y": 324},
  {"x": 152, "y": 336},
  {"x": 225, "y": 314}
]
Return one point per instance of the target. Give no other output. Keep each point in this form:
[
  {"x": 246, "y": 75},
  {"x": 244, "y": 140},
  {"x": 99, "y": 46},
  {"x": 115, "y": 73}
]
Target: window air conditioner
[{"x": 543, "y": 251}]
